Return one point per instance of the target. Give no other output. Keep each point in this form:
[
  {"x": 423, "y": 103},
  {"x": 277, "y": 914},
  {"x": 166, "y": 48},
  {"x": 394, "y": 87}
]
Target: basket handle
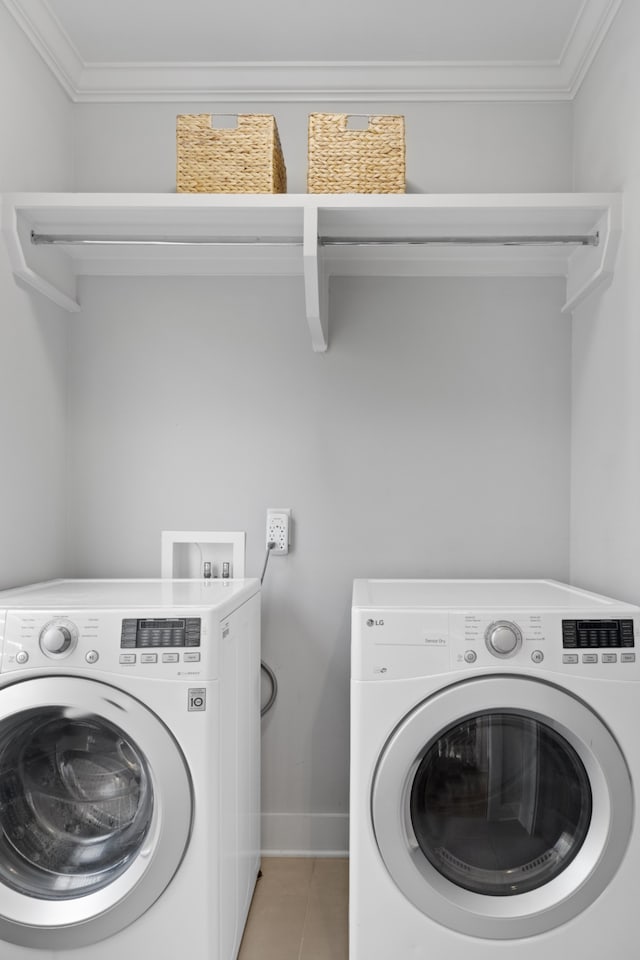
[
  {"x": 349, "y": 123},
  {"x": 224, "y": 126},
  {"x": 341, "y": 122}
]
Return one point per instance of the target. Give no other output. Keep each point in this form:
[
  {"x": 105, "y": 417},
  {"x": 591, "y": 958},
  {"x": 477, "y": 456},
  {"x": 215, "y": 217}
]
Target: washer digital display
[{"x": 160, "y": 632}]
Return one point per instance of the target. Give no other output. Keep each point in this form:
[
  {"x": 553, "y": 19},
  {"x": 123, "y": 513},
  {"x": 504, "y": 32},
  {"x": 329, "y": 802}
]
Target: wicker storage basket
[
  {"x": 355, "y": 161},
  {"x": 243, "y": 159}
]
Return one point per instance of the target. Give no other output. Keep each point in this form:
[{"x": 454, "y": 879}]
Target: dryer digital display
[{"x": 590, "y": 634}]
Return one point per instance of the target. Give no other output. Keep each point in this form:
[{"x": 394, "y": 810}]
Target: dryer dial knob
[
  {"x": 56, "y": 639},
  {"x": 503, "y": 638}
]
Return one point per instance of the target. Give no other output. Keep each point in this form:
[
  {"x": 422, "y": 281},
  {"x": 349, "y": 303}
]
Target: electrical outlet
[{"x": 278, "y": 523}]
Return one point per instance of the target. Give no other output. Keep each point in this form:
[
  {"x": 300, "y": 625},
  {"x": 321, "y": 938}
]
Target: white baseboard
[{"x": 305, "y": 834}]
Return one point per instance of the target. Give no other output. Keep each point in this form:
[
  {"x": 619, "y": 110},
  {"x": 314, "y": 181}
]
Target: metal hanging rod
[
  {"x": 72, "y": 239},
  {"x": 588, "y": 240}
]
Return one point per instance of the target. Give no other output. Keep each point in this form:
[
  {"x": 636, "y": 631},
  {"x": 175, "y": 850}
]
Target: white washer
[
  {"x": 129, "y": 768},
  {"x": 495, "y": 761}
]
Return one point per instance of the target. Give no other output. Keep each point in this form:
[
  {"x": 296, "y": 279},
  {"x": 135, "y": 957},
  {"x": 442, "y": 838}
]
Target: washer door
[
  {"x": 502, "y": 807},
  {"x": 95, "y": 811}
]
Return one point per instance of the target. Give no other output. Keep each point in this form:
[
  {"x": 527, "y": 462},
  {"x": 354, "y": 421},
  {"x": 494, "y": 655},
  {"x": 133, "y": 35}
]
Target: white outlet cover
[{"x": 279, "y": 517}]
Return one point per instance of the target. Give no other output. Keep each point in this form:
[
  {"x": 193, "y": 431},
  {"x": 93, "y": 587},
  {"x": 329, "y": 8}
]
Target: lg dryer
[
  {"x": 129, "y": 768},
  {"x": 495, "y": 767}
]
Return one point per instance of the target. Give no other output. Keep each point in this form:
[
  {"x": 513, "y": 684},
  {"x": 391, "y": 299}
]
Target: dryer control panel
[
  {"x": 427, "y": 628},
  {"x": 522, "y": 638},
  {"x": 396, "y": 645}
]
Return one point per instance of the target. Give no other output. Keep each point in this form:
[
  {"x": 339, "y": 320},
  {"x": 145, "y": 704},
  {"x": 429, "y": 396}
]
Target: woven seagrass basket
[
  {"x": 355, "y": 161},
  {"x": 242, "y": 159}
]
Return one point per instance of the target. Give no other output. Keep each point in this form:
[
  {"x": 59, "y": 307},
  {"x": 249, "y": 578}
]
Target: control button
[
  {"x": 127, "y": 658},
  {"x": 470, "y": 656},
  {"x": 22, "y": 657},
  {"x": 589, "y": 657},
  {"x": 58, "y": 637},
  {"x": 537, "y": 656},
  {"x": 55, "y": 639},
  {"x": 170, "y": 657},
  {"x": 503, "y": 638},
  {"x": 195, "y": 657},
  {"x": 148, "y": 658},
  {"x": 92, "y": 656},
  {"x": 627, "y": 658},
  {"x": 569, "y": 657},
  {"x": 609, "y": 657}
]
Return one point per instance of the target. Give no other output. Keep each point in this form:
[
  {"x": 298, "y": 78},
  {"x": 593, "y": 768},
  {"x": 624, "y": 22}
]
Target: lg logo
[{"x": 375, "y": 623}]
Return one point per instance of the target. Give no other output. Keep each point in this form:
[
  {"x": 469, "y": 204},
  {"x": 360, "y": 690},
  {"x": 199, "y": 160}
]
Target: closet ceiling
[{"x": 335, "y": 50}]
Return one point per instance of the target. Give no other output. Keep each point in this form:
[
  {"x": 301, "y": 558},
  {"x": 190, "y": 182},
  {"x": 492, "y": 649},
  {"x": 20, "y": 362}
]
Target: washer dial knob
[
  {"x": 503, "y": 638},
  {"x": 58, "y": 638}
]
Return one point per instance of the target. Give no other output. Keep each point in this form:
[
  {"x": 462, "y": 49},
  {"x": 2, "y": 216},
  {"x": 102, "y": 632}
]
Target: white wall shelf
[{"x": 53, "y": 238}]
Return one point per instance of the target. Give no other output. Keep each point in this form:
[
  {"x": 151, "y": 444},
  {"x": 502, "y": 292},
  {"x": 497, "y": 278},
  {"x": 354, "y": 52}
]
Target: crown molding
[
  {"x": 330, "y": 82},
  {"x": 50, "y": 40},
  {"x": 590, "y": 28}
]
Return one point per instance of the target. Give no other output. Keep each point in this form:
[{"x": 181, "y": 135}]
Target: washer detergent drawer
[{"x": 95, "y": 811}]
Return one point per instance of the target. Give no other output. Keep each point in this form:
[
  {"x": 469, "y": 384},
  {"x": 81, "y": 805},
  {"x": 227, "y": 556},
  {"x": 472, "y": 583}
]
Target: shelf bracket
[
  {"x": 21, "y": 269},
  {"x": 592, "y": 268},
  {"x": 315, "y": 282}
]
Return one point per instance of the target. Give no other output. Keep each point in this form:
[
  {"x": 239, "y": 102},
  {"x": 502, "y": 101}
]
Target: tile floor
[{"x": 299, "y": 911}]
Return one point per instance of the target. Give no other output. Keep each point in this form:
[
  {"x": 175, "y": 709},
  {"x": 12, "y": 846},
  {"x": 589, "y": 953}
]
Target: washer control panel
[{"x": 108, "y": 641}]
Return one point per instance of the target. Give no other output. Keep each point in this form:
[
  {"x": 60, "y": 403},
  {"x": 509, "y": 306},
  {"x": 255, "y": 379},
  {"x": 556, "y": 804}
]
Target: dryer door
[
  {"x": 95, "y": 811},
  {"x": 502, "y": 807}
]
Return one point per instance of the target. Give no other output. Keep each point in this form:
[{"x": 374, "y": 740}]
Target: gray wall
[
  {"x": 451, "y": 147},
  {"x": 36, "y": 153},
  {"x": 431, "y": 440},
  {"x": 605, "y": 511}
]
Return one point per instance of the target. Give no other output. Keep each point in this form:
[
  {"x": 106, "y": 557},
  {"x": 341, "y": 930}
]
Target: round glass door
[
  {"x": 502, "y": 806},
  {"x": 76, "y": 803},
  {"x": 96, "y": 811}
]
